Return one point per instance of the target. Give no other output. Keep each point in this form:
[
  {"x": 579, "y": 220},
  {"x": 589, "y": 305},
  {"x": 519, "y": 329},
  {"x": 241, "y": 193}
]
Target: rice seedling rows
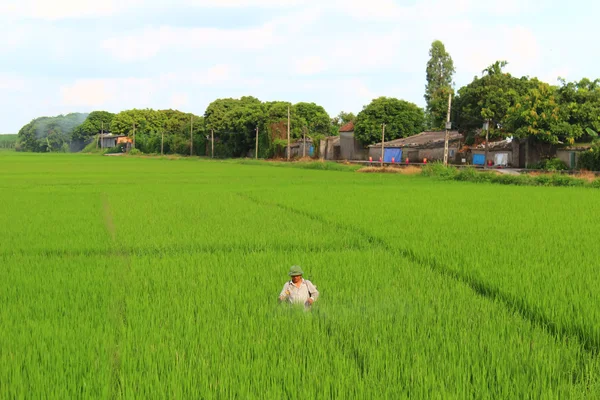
[{"x": 130, "y": 277}]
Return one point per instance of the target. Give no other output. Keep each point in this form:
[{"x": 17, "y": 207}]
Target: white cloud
[
  {"x": 13, "y": 83},
  {"x": 97, "y": 93},
  {"x": 148, "y": 43},
  {"x": 64, "y": 9},
  {"x": 310, "y": 65}
]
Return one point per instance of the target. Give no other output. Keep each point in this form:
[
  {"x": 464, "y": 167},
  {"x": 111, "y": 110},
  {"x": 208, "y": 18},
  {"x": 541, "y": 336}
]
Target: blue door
[
  {"x": 311, "y": 150},
  {"x": 478, "y": 159},
  {"x": 396, "y": 154}
]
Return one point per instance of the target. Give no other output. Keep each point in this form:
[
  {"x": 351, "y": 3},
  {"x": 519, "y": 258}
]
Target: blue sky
[{"x": 61, "y": 56}]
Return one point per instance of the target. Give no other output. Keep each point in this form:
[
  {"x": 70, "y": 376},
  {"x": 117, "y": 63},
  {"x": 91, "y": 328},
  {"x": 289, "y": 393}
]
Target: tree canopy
[
  {"x": 439, "y": 73},
  {"x": 402, "y": 119},
  {"x": 49, "y": 134},
  {"x": 95, "y": 123}
]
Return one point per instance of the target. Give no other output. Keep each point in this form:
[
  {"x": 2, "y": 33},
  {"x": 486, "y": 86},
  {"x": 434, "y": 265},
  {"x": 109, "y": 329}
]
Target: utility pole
[
  {"x": 162, "y": 142},
  {"x": 256, "y": 151},
  {"x": 448, "y": 126},
  {"x": 288, "y": 133},
  {"x": 191, "y": 136},
  {"x": 382, "y": 141},
  {"x": 304, "y": 142},
  {"x": 487, "y": 140},
  {"x": 212, "y": 143},
  {"x": 134, "y": 135}
]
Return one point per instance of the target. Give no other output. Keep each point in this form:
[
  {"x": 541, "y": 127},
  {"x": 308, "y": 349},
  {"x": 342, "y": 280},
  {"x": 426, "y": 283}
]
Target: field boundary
[{"x": 483, "y": 289}]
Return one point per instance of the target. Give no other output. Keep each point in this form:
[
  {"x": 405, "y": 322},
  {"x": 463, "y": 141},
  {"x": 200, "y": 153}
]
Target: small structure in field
[
  {"x": 329, "y": 148},
  {"x": 109, "y": 140},
  {"x": 300, "y": 148},
  {"x": 570, "y": 154},
  {"x": 425, "y": 145},
  {"x": 500, "y": 153},
  {"x": 350, "y": 148}
]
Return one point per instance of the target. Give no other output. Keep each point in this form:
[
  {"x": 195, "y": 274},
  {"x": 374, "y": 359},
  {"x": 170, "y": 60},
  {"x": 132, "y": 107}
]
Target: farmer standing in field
[{"x": 299, "y": 290}]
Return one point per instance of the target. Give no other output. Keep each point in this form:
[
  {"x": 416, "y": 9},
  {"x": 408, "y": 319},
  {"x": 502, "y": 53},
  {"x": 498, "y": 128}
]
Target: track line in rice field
[
  {"x": 180, "y": 249},
  {"x": 585, "y": 339}
]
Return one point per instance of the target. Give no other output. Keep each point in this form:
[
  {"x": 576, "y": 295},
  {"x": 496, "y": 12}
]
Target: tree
[
  {"x": 581, "y": 101},
  {"x": 49, "y": 134},
  {"x": 489, "y": 97},
  {"x": 95, "y": 123},
  {"x": 340, "y": 120},
  {"x": 402, "y": 119},
  {"x": 313, "y": 117},
  {"x": 440, "y": 70},
  {"x": 538, "y": 113}
]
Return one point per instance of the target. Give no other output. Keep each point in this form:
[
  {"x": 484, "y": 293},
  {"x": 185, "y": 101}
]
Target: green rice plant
[{"x": 129, "y": 277}]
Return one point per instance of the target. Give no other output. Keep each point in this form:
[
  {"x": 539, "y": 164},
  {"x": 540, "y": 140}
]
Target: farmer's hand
[{"x": 310, "y": 301}]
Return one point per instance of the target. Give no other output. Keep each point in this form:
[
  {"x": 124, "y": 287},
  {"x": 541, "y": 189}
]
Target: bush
[
  {"x": 565, "y": 180},
  {"x": 590, "y": 160},
  {"x": 554, "y": 164},
  {"x": 440, "y": 171},
  {"x": 135, "y": 152}
]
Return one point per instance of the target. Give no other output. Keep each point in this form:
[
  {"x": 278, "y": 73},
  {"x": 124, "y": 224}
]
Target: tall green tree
[
  {"x": 581, "y": 101},
  {"x": 440, "y": 70},
  {"x": 402, "y": 119},
  {"x": 489, "y": 97},
  {"x": 313, "y": 117},
  {"x": 95, "y": 123},
  {"x": 537, "y": 113}
]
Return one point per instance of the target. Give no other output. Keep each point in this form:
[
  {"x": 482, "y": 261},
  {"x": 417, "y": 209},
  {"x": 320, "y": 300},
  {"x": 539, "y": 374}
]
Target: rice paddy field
[{"x": 126, "y": 277}]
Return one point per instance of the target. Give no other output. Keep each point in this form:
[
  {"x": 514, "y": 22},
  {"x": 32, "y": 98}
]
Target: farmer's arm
[
  {"x": 314, "y": 293},
  {"x": 284, "y": 293}
]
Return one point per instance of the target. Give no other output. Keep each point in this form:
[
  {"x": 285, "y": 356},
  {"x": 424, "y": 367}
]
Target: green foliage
[
  {"x": 552, "y": 164},
  {"x": 590, "y": 160},
  {"x": 92, "y": 147},
  {"x": 8, "y": 141},
  {"x": 439, "y": 73},
  {"x": 313, "y": 117},
  {"x": 95, "y": 123},
  {"x": 439, "y": 171},
  {"x": 135, "y": 152},
  {"x": 49, "y": 134},
  {"x": 581, "y": 103},
  {"x": 151, "y": 124},
  {"x": 402, "y": 119},
  {"x": 159, "y": 278},
  {"x": 538, "y": 113},
  {"x": 340, "y": 120}
]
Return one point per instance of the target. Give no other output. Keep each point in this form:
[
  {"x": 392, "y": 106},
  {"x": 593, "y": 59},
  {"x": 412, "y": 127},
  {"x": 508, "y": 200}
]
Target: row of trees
[
  {"x": 523, "y": 107},
  {"x": 8, "y": 141}
]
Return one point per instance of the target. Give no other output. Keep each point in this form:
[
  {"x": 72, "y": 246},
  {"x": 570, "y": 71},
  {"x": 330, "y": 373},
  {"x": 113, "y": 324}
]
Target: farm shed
[
  {"x": 297, "y": 148},
  {"x": 109, "y": 140},
  {"x": 350, "y": 148},
  {"x": 329, "y": 148},
  {"x": 499, "y": 153},
  {"x": 429, "y": 145}
]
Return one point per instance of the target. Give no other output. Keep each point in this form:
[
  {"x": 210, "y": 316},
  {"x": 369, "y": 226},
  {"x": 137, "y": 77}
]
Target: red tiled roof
[{"x": 349, "y": 127}]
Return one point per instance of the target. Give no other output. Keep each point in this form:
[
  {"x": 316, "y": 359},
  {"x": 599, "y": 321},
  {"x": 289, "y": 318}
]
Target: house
[
  {"x": 570, "y": 154},
  {"x": 109, "y": 140},
  {"x": 350, "y": 147},
  {"x": 300, "y": 148},
  {"x": 500, "y": 153},
  {"x": 329, "y": 148},
  {"x": 425, "y": 145}
]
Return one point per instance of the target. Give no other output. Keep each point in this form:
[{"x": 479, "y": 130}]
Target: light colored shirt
[{"x": 299, "y": 295}]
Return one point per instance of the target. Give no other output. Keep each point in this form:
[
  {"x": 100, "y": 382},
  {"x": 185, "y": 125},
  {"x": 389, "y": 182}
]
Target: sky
[{"x": 61, "y": 56}]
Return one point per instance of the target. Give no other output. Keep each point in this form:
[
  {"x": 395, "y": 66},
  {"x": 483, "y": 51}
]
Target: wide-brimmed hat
[{"x": 295, "y": 271}]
